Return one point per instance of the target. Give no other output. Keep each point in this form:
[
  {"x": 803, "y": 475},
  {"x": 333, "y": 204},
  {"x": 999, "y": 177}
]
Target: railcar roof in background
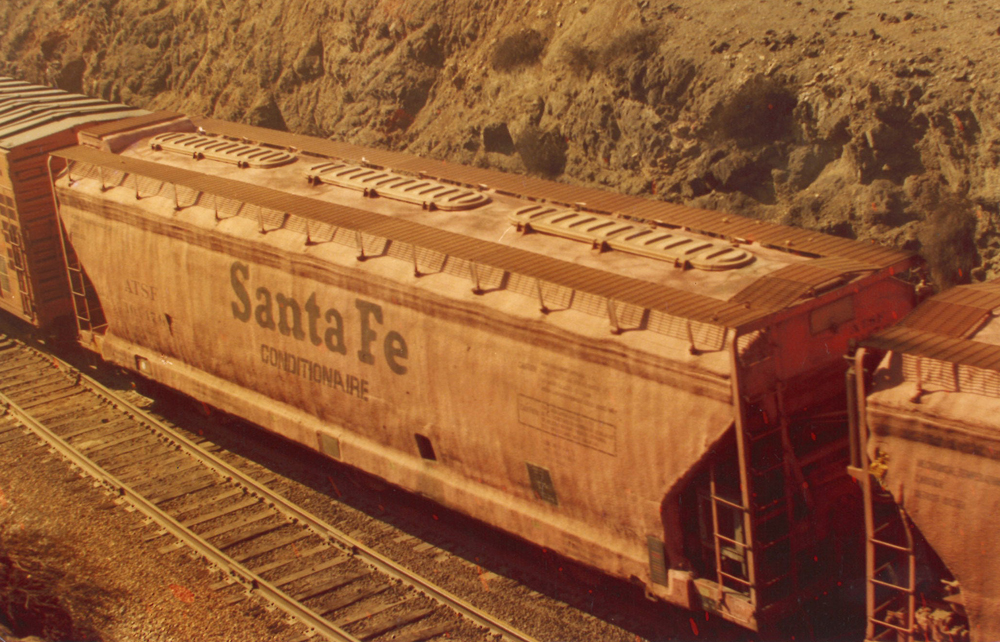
[
  {"x": 32, "y": 112},
  {"x": 959, "y": 325}
]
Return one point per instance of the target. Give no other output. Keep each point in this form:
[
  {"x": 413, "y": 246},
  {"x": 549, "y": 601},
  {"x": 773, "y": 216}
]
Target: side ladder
[
  {"x": 16, "y": 246},
  {"x": 890, "y": 567},
  {"x": 89, "y": 315},
  {"x": 775, "y": 491},
  {"x": 890, "y": 554}
]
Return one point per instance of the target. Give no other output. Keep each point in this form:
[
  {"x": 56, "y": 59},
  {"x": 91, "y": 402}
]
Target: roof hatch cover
[
  {"x": 608, "y": 232},
  {"x": 377, "y": 182},
  {"x": 220, "y": 149}
]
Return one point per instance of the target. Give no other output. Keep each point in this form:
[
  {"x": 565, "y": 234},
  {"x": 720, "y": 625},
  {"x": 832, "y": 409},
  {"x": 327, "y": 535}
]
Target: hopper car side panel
[
  {"x": 547, "y": 427},
  {"x": 940, "y": 460}
]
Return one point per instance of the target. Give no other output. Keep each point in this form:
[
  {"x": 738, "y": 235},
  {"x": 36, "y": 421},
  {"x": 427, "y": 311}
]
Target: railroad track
[{"x": 338, "y": 587}]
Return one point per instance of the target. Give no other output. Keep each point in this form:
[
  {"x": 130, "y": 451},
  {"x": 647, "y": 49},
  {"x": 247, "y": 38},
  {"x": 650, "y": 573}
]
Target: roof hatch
[
  {"x": 377, "y": 182},
  {"x": 607, "y": 232},
  {"x": 220, "y": 149}
]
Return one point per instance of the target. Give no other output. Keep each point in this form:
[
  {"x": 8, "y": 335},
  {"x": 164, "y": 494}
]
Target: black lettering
[
  {"x": 395, "y": 348},
  {"x": 286, "y": 304},
  {"x": 367, "y": 334},
  {"x": 264, "y": 314},
  {"x": 237, "y": 268},
  {"x": 313, "y": 313},
  {"x": 315, "y": 372},
  {"x": 336, "y": 331}
]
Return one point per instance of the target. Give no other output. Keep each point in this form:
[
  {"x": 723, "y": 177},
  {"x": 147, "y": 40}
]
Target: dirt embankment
[{"x": 871, "y": 119}]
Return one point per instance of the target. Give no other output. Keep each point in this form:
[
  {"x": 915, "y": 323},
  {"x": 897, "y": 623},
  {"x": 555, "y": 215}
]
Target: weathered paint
[
  {"x": 943, "y": 467},
  {"x": 375, "y": 356}
]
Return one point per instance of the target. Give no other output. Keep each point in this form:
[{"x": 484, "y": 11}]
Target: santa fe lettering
[{"x": 285, "y": 315}]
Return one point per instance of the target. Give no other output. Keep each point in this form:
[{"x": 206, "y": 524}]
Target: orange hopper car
[{"x": 653, "y": 390}]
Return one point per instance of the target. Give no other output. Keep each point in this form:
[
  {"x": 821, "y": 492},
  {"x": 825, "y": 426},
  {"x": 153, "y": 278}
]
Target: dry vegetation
[{"x": 46, "y": 587}]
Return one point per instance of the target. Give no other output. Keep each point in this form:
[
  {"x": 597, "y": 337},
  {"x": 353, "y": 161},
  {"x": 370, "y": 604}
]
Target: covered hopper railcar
[
  {"x": 653, "y": 390},
  {"x": 928, "y": 402}
]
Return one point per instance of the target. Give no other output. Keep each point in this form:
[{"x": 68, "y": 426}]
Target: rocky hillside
[{"x": 872, "y": 119}]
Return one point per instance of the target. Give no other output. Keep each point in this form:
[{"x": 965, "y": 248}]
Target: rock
[
  {"x": 543, "y": 152},
  {"x": 309, "y": 64},
  {"x": 70, "y": 77},
  {"x": 739, "y": 171},
  {"x": 881, "y": 203},
  {"x": 266, "y": 113},
  {"x": 805, "y": 164},
  {"x": 987, "y": 190},
  {"x": 496, "y": 138}
]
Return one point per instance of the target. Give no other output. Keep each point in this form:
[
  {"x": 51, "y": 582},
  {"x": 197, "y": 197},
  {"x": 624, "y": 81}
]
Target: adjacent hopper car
[
  {"x": 653, "y": 390},
  {"x": 926, "y": 453}
]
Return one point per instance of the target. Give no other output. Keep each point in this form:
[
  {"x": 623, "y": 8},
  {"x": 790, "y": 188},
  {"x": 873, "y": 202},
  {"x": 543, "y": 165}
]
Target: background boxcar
[
  {"x": 492, "y": 342},
  {"x": 33, "y": 121}
]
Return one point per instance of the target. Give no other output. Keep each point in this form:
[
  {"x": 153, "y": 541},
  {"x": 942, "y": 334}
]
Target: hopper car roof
[
  {"x": 31, "y": 112},
  {"x": 713, "y": 223},
  {"x": 788, "y": 265},
  {"x": 939, "y": 388},
  {"x": 958, "y": 326}
]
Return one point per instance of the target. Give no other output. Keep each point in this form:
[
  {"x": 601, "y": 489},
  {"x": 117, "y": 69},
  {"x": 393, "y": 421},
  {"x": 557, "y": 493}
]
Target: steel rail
[
  {"x": 172, "y": 526},
  {"x": 295, "y": 513}
]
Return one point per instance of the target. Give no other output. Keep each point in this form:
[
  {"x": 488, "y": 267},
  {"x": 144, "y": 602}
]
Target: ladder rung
[
  {"x": 881, "y": 528},
  {"x": 897, "y": 547},
  {"x": 881, "y": 568},
  {"x": 885, "y": 605},
  {"x": 891, "y": 626},
  {"x": 765, "y": 471},
  {"x": 732, "y": 541},
  {"x": 767, "y": 433},
  {"x": 774, "y": 580},
  {"x": 722, "y": 500},
  {"x": 763, "y": 508},
  {"x": 736, "y": 579},
  {"x": 761, "y": 547},
  {"x": 902, "y": 589},
  {"x": 760, "y": 518}
]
